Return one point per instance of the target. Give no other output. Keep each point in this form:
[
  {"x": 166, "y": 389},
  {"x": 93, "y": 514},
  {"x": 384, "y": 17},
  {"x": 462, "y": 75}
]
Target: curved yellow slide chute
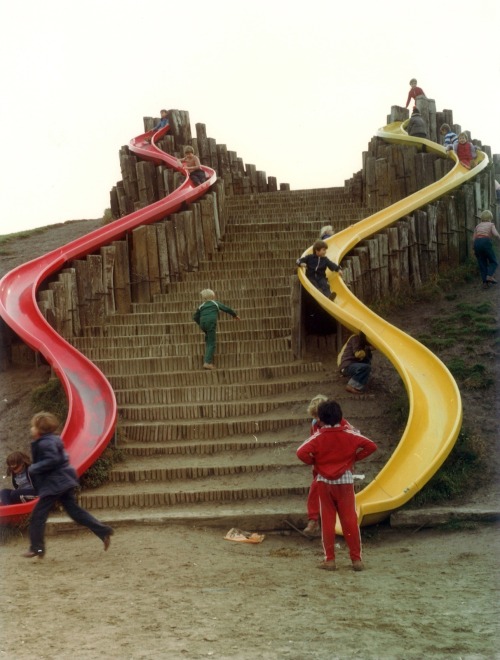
[{"x": 435, "y": 407}]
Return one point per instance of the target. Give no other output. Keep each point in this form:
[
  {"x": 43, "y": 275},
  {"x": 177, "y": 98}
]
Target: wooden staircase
[{"x": 219, "y": 446}]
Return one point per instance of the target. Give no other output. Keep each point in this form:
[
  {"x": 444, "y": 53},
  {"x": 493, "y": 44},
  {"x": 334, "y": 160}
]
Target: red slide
[{"x": 91, "y": 402}]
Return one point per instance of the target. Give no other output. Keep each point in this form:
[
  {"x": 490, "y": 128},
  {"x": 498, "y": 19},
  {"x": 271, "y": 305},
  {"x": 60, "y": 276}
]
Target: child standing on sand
[
  {"x": 206, "y": 316},
  {"x": 312, "y": 499},
  {"x": 332, "y": 451},
  {"x": 414, "y": 92}
]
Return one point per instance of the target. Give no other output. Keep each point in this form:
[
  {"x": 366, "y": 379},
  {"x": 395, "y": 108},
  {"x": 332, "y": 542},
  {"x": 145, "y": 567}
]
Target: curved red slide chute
[{"x": 91, "y": 402}]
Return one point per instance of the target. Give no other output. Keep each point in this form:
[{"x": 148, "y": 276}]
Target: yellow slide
[{"x": 435, "y": 414}]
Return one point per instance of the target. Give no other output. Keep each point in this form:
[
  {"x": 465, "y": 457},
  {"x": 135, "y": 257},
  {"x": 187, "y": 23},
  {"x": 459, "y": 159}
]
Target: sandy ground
[{"x": 177, "y": 592}]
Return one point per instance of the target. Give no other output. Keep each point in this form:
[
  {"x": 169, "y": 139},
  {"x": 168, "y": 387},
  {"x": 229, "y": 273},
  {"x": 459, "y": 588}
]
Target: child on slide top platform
[
  {"x": 206, "y": 316},
  {"x": 416, "y": 126},
  {"x": 332, "y": 451},
  {"x": 414, "y": 91},
  {"x": 316, "y": 265}
]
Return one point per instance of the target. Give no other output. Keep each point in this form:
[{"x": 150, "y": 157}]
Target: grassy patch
[
  {"x": 51, "y": 398},
  {"x": 461, "y": 331},
  {"x": 461, "y": 472},
  {"x": 20, "y": 235},
  {"x": 98, "y": 473}
]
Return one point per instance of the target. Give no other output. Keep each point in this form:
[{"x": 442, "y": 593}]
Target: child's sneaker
[
  {"x": 357, "y": 565},
  {"x": 329, "y": 565},
  {"x": 312, "y": 528}
]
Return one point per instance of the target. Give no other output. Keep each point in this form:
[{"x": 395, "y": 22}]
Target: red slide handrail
[{"x": 92, "y": 413}]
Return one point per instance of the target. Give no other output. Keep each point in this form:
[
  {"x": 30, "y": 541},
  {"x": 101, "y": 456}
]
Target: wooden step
[
  {"x": 217, "y": 377},
  {"x": 219, "y": 393},
  {"x": 227, "y": 488}
]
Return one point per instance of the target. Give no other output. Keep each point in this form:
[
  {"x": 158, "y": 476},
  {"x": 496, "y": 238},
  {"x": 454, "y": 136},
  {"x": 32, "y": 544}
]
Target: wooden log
[
  {"x": 153, "y": 261},
  {"x": 180, "y": 127},
  {"x": 139, "y": 278},
  {"x": 221, "y": 206},
  {"x": 393, "y": 262},
  {"x": 223, "y": 160},
  {"x": 82, "y": 284},
  {"x": 179, "y": 221},
  {"x": 214, "y": 162},
  {"x": 61, "y": 312},
  {"x": 442, "y": 235},
  {"x": 121, "y": 278},
  {"x": 251, "y": 172},
  {"x": 191, "y": 242},
  {"x": 196, "y": 234},
  {"x": 108, "y": 261},
  {"x": 357, "y": 280},
  {"x": 95, "y": 272},
  {"x": 410, "y": 175},
  {"x": 383, "y": 247},
  {"x": 422, "y": 239},
  {"x": 261, "y": 181},
  {"x": 128, "y": 164},
  {"x": 175, "y": 271},
  {"x": 297, "y": 323},
  {"x": 163, "y": 262},
  {"x": 215, "y": 214},
  {"x": 272, "y": 184},
  {"x": 46, "y": 306},
  {"x": 207, "y": 221},
  {"x": 146, "y": 176},
  {"x": 113, "y": 203},
  {"x": 413, "y": 255},
  {"x": 403, "y": 227},
  {"x": 73, "y": 301},
  {"x": 361, "y": 251},
  {"x": 373, "y": 250},
  {"x": 432, "y": 246},
  {"x": 203, "y": 146}
]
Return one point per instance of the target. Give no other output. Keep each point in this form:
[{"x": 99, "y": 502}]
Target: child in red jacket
[
  {"x": 414, "y": 92},
  {"x": 332, "y": 451}
]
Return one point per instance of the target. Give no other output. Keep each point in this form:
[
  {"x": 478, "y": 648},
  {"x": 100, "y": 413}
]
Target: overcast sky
[{"x": 298, "y": 89}]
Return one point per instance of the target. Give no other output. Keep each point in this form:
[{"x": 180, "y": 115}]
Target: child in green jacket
[{"x": 206, "y": 316}]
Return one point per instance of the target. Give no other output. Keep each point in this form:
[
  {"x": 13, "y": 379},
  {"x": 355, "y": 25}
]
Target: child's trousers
[
  {"x": 339, "y": 499},
  {"x": 210, "y": 330}
]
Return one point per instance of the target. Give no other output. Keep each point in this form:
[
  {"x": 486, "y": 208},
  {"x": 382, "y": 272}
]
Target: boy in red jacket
[{"x": 333, "y": 450}]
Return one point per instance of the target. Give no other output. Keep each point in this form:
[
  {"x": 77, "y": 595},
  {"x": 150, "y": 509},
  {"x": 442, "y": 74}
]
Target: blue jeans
[
  {"x": 358, "y": 373},
  {"x": 486, "y": 260}
]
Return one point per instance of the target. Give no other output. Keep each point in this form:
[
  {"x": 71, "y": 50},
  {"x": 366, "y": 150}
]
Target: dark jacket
[
  {"x": 416, "y": 126},
  {"x": 51, "y": 471},
  {"x": 316, "y": 266}
]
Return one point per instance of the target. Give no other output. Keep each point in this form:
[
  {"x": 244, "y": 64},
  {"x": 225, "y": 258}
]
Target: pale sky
[{"x": 297, "y": 89}]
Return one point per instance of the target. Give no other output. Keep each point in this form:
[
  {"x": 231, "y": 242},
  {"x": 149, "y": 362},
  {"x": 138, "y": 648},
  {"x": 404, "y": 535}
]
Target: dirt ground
[
  {"x": 185, "y": 592},
  {"x": 182, "y": 592}
]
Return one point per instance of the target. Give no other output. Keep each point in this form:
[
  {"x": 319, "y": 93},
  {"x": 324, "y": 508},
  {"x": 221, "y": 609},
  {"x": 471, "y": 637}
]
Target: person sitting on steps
[{"x": 354, "y": 360}]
